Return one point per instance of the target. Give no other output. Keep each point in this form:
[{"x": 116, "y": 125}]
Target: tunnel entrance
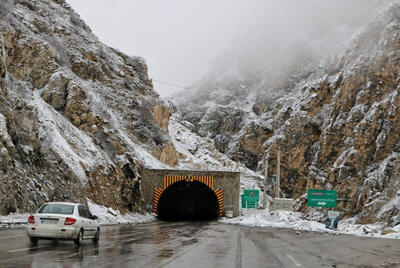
[{"x": 188, "y": 201}]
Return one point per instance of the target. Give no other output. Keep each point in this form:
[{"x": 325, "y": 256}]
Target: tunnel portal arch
[
  {"x": 188, "y": 198},
  {"x": 185, "y": 200}
]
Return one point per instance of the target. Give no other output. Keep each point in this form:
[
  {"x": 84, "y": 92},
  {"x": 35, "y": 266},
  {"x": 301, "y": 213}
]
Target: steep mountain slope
[
  {"x": 234, "y": 101},
  {"x": 199, "y": 153},
  {"x": 77, "y": 118},
  {"x": 336, "y": 122},
  {"x": 342, "y": 132}
]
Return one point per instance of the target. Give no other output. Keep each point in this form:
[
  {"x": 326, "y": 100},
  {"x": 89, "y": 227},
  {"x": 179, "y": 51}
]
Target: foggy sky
[{"x": 179, "y": 38}]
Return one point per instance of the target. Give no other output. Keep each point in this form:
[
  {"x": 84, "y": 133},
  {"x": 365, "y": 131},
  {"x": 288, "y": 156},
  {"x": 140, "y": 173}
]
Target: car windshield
[{"x": 57, "y": 209}]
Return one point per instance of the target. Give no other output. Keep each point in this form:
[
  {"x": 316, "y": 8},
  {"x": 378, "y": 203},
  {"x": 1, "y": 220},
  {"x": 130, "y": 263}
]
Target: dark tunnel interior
[{"x": 188, "y": 201}]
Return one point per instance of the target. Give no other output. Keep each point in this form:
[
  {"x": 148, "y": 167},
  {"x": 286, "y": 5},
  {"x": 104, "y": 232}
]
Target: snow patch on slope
[
  {"x": 65, "y": 140},
  {"x": 200, "y": 153}
]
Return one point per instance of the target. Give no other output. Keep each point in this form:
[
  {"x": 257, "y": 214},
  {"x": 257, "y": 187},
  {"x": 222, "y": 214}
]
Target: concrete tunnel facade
[{"x": 190, "y": 195}]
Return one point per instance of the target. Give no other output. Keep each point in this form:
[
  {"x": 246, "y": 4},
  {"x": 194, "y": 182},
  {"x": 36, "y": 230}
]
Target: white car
[{"x": 63, "y": 221}]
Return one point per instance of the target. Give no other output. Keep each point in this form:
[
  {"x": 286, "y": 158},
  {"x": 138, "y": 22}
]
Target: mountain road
[{"x": 200, "y": 244}]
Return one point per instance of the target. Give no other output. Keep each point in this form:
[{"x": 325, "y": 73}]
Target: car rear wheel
[
  {"x": 96, "y": 237},
  {"x": 34, "y": 240},
  {"x": 78, "y": 241}
]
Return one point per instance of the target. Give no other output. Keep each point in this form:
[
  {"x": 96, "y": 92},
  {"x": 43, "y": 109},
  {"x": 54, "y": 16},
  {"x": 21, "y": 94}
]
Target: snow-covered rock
[
  {"x": 78, "y": 119},
  {"x": 333, "y": 114}
]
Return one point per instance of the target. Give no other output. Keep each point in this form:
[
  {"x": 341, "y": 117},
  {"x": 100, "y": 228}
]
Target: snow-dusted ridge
[
  {"x": 335, "y": 118},
  {"x": 199, "y": 153}
]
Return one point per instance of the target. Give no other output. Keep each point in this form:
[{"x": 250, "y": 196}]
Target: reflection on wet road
[
  {"x": 141, "y": 245},
  {"x": 199, "y": 244}
]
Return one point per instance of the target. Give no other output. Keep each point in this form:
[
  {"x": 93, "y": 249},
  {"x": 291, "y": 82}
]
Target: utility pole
[
  {"x": 278, "y": 172},
  {"x": 266, "y": 180}
]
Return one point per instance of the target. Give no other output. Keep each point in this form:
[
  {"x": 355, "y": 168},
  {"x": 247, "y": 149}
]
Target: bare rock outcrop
[
  {"x": 78, "y": 119},
  {"x": 337, "y": 127},
  {"x": 344, "y": 132}
]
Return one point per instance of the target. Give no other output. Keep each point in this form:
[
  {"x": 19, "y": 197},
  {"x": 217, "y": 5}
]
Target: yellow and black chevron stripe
[
  {"x": 157, "y": 195},
  {"x": 207, "y": 180},
  {"x": 168, "y": 180},
  {"x": 220, "y": 196}
]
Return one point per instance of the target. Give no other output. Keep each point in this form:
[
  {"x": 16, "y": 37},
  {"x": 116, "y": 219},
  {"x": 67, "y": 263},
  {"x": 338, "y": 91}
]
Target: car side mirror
[{"x": 94, "y": 217}]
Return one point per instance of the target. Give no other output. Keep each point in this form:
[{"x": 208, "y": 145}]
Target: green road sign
[
  {"x": 322, "y": 198},
  {"x": 251, "y": 195},
  {"x": 250, "y": 198},
  {"x": 246, "y": 204}
]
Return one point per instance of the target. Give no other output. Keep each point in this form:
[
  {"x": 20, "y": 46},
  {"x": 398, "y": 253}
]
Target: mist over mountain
[
  {"x": 313, "y": 88},
  {"x": 294, "y": 44}
]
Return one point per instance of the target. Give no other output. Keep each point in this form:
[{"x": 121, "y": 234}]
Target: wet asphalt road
[{"x": 207, "y": 244}]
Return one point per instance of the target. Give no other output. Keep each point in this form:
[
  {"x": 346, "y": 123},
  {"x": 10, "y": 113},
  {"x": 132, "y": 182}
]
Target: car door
[
  {"x": 84, "y": 220},
  {"x": 91, "y": 224}
]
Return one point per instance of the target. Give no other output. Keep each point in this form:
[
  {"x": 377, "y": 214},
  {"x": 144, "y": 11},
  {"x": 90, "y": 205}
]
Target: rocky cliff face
[
  {"x": 78, "y": 119},
  {"x": 343, "y": 131},
  {"x": 337, "y": 126}
]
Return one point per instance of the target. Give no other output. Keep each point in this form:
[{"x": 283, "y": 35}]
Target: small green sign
[
  {"x": 246, "y": 204},
  {"x": 251, "y": 195},
  {"x": 322, "y": 198},
  {"x": 250, "y": 198}
]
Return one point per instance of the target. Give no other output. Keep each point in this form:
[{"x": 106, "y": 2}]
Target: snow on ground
[
  {"x": 107, "y": 216},
  {"x": 297, "y": 221},
  {"x": 253, "y": 218},
  {"x": 13, "y": 220}
]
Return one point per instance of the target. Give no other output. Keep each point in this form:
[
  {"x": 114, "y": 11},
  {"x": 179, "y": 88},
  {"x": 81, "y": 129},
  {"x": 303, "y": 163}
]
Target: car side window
[
  {"x": 88, "y": 214},
  {"x": 82, "y": 212}
]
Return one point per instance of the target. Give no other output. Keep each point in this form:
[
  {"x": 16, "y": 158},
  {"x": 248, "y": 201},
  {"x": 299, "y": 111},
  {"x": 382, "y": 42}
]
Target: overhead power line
[{"x": 170, "y": 84}]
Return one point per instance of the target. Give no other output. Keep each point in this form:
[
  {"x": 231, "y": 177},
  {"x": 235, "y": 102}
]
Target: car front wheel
[{"x": 78, "y": 241}]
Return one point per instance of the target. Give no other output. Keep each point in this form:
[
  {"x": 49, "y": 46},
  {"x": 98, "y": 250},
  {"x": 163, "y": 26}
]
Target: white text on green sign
[{"x": 322, "y": 198}]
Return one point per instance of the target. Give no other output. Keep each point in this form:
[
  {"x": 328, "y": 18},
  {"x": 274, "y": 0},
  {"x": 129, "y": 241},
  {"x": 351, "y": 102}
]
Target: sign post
[
  {"x": 278, "y": 173},
  {"x": 266, "y": 181}
]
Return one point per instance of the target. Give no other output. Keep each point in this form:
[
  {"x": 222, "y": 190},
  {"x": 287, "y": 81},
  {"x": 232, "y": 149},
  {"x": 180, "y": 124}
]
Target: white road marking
[
  {"x": 25, "y": 249},
  {"x": 294, "y": 260},
  {"x": 11, "y": 236}
]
